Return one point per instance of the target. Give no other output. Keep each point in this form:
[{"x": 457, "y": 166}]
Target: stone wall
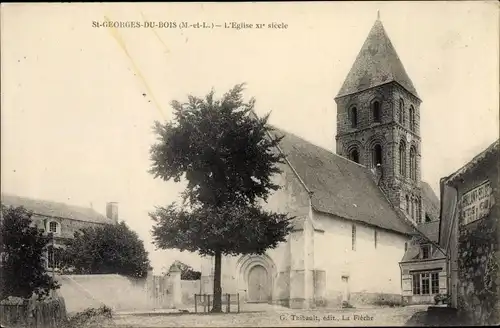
[
  {"x": 479, "y": 251},
  {"x": 388, "y": 133}
]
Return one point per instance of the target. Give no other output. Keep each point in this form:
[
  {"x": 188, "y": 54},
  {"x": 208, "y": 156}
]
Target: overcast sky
[{"x": 77, "y": 116}]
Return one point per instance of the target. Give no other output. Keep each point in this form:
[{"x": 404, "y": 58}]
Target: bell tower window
[
  {"x": 412, "y": 118},
  {"x": 376, "y": 111},
  {"x": 413, "y": 164},
  {"x": 402, "y": 158},
  {"x": 401, "y": 111},
  {"x": 377, "y": 155},
  {"x": 354, "y": 155},
  {"x": 354, "y": 117}
]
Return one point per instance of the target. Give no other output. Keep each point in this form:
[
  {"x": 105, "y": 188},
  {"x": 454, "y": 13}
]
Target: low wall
[
  {"x": 91, "y": 291},
  {"x": 189, "y": 289}
]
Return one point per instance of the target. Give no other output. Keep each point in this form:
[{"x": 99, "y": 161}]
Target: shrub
[
  {"x": 441, "y": 298},
  {"x": 90, "y": 317}
]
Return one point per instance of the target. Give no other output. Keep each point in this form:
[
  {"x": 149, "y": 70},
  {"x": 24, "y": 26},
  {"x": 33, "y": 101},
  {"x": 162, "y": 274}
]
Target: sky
[{"x": 78, "y": 106}]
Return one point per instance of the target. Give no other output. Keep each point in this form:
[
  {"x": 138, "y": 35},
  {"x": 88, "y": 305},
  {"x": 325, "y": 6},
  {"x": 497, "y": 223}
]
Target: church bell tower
[{"x": 378, "y": 121}]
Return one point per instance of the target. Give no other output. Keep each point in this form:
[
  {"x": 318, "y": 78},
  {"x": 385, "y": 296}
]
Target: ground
[{"x": 275, "y": 316}]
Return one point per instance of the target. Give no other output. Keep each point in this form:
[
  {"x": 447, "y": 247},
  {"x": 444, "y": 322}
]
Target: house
[
  {"x": 61, "y": 220},
  {"x": 357, "y": 209},
  {"x": 469, "y": 231},
  {"x": 423, "y": 267}
]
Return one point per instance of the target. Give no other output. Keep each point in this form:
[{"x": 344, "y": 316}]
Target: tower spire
[{"x": 378, "y": 14}]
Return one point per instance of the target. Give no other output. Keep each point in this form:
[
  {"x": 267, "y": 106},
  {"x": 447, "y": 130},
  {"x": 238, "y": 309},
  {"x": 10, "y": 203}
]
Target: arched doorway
[
  {"x": 256, "y": 277},
  {"x": 258, "y": 284}
]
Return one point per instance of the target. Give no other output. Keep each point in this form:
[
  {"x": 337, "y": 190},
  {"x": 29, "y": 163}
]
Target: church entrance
[{"x": 258, "y": 284}]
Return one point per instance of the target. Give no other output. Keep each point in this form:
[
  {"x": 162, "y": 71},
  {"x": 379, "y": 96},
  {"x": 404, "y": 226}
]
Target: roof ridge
[
  {"x": 50, "y": 201},
  {"x": 319, "y": 146},
  {"x": 475, "y": 159}
]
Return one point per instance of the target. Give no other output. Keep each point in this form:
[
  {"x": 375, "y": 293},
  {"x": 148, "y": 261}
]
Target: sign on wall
[{"x": 476, "y": 203}]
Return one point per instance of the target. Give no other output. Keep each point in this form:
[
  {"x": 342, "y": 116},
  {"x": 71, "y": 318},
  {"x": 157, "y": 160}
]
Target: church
[{"x": 357, "y": 210}]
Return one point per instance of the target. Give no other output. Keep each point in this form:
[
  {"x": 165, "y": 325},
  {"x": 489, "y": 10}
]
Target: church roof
[
  {"x": 54, "y": 209},
  {"x": 430, "y": 201},
  {"x": 377, "y": 63},
  {"x": 430, "y": 230},
  {"x": 339, "y": 186}
]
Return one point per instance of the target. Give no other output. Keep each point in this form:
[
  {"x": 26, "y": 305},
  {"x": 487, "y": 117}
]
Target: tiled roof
[
  {"x": 377, "y": 63},
  {"x": 55, "y": 209},
  {"x": 430, "y": 201},
  {"x": 430, "y": 230},
  {"x": 340, "y": 186}
]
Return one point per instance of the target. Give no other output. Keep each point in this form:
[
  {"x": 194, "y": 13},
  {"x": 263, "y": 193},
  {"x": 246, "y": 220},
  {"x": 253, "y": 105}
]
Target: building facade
[
  {"x": 469, "y": 231},
  {"x": 355, "y": 209},
  {"x": 61, "y": 220}
]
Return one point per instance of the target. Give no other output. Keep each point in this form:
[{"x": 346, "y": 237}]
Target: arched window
[
  {"x": 413, "y": 209},
  {"x": 412, "y": 118},
  {"x": 407, "y": 204},
  {"x": 419, "y": 212},
  {"x": 413, "y": 164},
  {"x": 402, "y": 158},
  {"x": 376, "y": 111},
  {"x": 401, "y": 111},
  {"x": 354, "y": 117},
  {"x": 377, "y": 155},
  {"x": 354, "y": 155}
]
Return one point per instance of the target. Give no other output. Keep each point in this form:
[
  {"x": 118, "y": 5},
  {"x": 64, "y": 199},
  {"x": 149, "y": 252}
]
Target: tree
[
  {"x": 187, "y": 272},
  {"x": 106, "y": 249},
  {"x": 22, "y": 247},
  {"x": 228, "y": 160}
]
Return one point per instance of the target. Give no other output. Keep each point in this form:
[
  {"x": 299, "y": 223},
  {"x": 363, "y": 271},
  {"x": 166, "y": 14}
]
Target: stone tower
[{"x": 378, "y": 121}]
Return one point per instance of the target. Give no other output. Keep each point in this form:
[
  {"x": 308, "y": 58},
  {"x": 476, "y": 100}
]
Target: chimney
[{"x": 112, "y": 211}]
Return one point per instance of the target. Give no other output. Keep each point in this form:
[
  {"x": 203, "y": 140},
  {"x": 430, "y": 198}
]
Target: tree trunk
[{"x": 217, "y": 307}]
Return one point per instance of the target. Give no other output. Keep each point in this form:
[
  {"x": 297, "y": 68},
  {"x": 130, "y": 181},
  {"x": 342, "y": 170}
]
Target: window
[
  {"x": 353, "y": 237},
  {"x": 412, "y": 203},
  {"x": 412, "y": 118},
  {"x": 435, "y": 283},
  {"x": 375, "y": 237},
  {"x": 53, "y": 227},
  {"x": 425, "y": 284},
  {"x": 401, "y": 111},
  {"x": 416, "y": 284},
  {"x": 377, "y": 155},
  {"x": 376, "y": 111},
  {"x": 426, "y": 250},
  {"x": 413, "y": 164},
  {"x": 354, "y": 117},
  {"x": 402, "y": 158},
  {"x": 354, "y": 155},
  {"x": 407, "y": 204}
]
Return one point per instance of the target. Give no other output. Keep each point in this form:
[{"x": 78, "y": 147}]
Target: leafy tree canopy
[
  {"x": 106, "y": 249},
  {"x": 22, "y": 247},
  {"x": 187, "y": 272},
  {"x": 228, "y": 159}
]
